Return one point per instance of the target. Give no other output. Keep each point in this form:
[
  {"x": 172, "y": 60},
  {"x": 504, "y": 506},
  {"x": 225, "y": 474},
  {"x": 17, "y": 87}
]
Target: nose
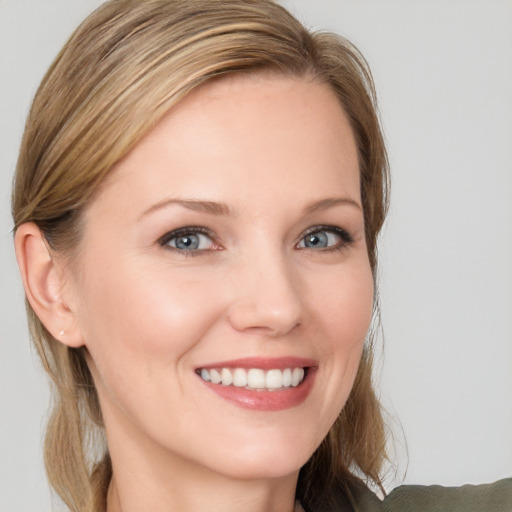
[{"x": 266, "y": 296}]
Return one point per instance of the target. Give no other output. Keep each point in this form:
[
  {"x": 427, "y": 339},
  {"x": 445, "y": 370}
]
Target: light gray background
[{"x": 444, "y": 77}]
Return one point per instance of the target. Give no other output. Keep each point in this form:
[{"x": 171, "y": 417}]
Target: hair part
[{"x": 121, "y": 71}]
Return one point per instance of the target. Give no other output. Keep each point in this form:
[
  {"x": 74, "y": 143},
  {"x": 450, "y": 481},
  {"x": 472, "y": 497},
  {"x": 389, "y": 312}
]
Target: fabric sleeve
[{"x": 496, "y": 497}]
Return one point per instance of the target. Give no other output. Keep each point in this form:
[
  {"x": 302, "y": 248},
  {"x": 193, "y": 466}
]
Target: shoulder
[{"x": 495, "y": 497}]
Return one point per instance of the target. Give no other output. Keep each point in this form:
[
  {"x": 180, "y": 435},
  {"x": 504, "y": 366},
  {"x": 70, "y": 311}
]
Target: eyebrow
[
  {"x": 330, "y": 202},
  {"x": 217, "y": 208},
  {"x": 209, "y": 207}
]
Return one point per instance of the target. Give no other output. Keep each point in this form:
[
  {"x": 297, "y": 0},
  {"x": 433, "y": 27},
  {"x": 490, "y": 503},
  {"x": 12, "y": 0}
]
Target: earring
[{"x": 61, "y": 333}]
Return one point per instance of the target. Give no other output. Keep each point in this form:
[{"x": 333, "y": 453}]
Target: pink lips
[{"x": 263, "y": 399}]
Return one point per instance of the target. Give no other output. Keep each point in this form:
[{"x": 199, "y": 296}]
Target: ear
[{"x": 44, "y": 285}]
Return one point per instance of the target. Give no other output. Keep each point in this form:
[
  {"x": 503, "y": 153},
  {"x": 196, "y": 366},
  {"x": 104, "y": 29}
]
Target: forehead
[{"x": 250, "y": 132}]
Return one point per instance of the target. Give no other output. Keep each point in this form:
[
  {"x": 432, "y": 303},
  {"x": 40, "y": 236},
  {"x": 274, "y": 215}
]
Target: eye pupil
[
  {"x": 187, "y": 242},
  {"x": 317, "y": 239}
]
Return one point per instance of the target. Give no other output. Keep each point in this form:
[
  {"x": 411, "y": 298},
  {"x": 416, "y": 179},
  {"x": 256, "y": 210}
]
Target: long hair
[{"x": 121, "y": 71}]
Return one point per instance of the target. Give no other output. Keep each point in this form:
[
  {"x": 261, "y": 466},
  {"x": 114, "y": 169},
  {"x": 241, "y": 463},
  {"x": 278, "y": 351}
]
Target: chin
[
  {"x": 274, "y": 468},
  {"x": 266, "y": 459}
]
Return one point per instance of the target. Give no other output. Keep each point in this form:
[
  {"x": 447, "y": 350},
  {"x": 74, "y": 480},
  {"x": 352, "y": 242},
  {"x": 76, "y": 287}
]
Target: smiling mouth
[{"x": 255, "y": 379}]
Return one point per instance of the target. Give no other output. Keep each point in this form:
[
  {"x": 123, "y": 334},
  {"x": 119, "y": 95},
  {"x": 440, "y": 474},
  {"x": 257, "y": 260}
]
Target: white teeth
[
  {"x": 227, "y": 378},
  {"x": 274, "y": 379},
  {"x": 287, "y": 378},
  {"x": 297, "y": 376},
  {"x": 215, "y": 377},
  {"x": 239, "y": 378},
  {"x": 254, "y": 378}
]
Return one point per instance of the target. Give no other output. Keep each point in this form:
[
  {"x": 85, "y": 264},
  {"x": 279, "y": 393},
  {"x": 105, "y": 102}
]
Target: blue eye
[
  {"x": 188, "y": 239},
  {"x": 325, "y": 238}
]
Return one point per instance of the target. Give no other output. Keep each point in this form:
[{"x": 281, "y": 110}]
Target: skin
[{"x": 267, "y": 147}]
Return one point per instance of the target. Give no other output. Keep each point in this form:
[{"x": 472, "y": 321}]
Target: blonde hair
[{"x": 121, "y": 71}]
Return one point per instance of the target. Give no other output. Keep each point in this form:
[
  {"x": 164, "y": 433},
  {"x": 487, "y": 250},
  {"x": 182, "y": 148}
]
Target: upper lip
[{"x": 265, "y": 363}]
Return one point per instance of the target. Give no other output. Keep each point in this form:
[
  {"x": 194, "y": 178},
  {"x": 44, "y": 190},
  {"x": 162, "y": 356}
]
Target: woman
[{"x": 183, "y": 206}]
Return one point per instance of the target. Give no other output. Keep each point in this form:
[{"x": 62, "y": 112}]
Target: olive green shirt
[{"x": 496, "y": 497}]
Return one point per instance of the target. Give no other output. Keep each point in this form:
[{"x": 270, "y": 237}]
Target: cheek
[
  {"x": 148, "y": 308},
  {"x": 346, "y": 306},
  {"x": 346, "y": 312},
  {"x": 137, "y": 322}
]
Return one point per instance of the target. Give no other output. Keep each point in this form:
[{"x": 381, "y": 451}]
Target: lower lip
[{"x": 266, "y": 400}]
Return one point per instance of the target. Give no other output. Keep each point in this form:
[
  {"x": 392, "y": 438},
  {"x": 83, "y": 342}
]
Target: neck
[
  {"x": 127, "y": 496},
  {"x": 118, "y": 500}
]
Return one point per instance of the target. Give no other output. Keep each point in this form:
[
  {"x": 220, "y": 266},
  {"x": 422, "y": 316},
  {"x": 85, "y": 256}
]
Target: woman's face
[{"x": 229, "y": 244}]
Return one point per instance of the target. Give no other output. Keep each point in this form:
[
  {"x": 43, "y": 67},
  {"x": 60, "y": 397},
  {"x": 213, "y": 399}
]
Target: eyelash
[
  {"x": 188, "y": 230},
  {"x": 345, "y": 236}
]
